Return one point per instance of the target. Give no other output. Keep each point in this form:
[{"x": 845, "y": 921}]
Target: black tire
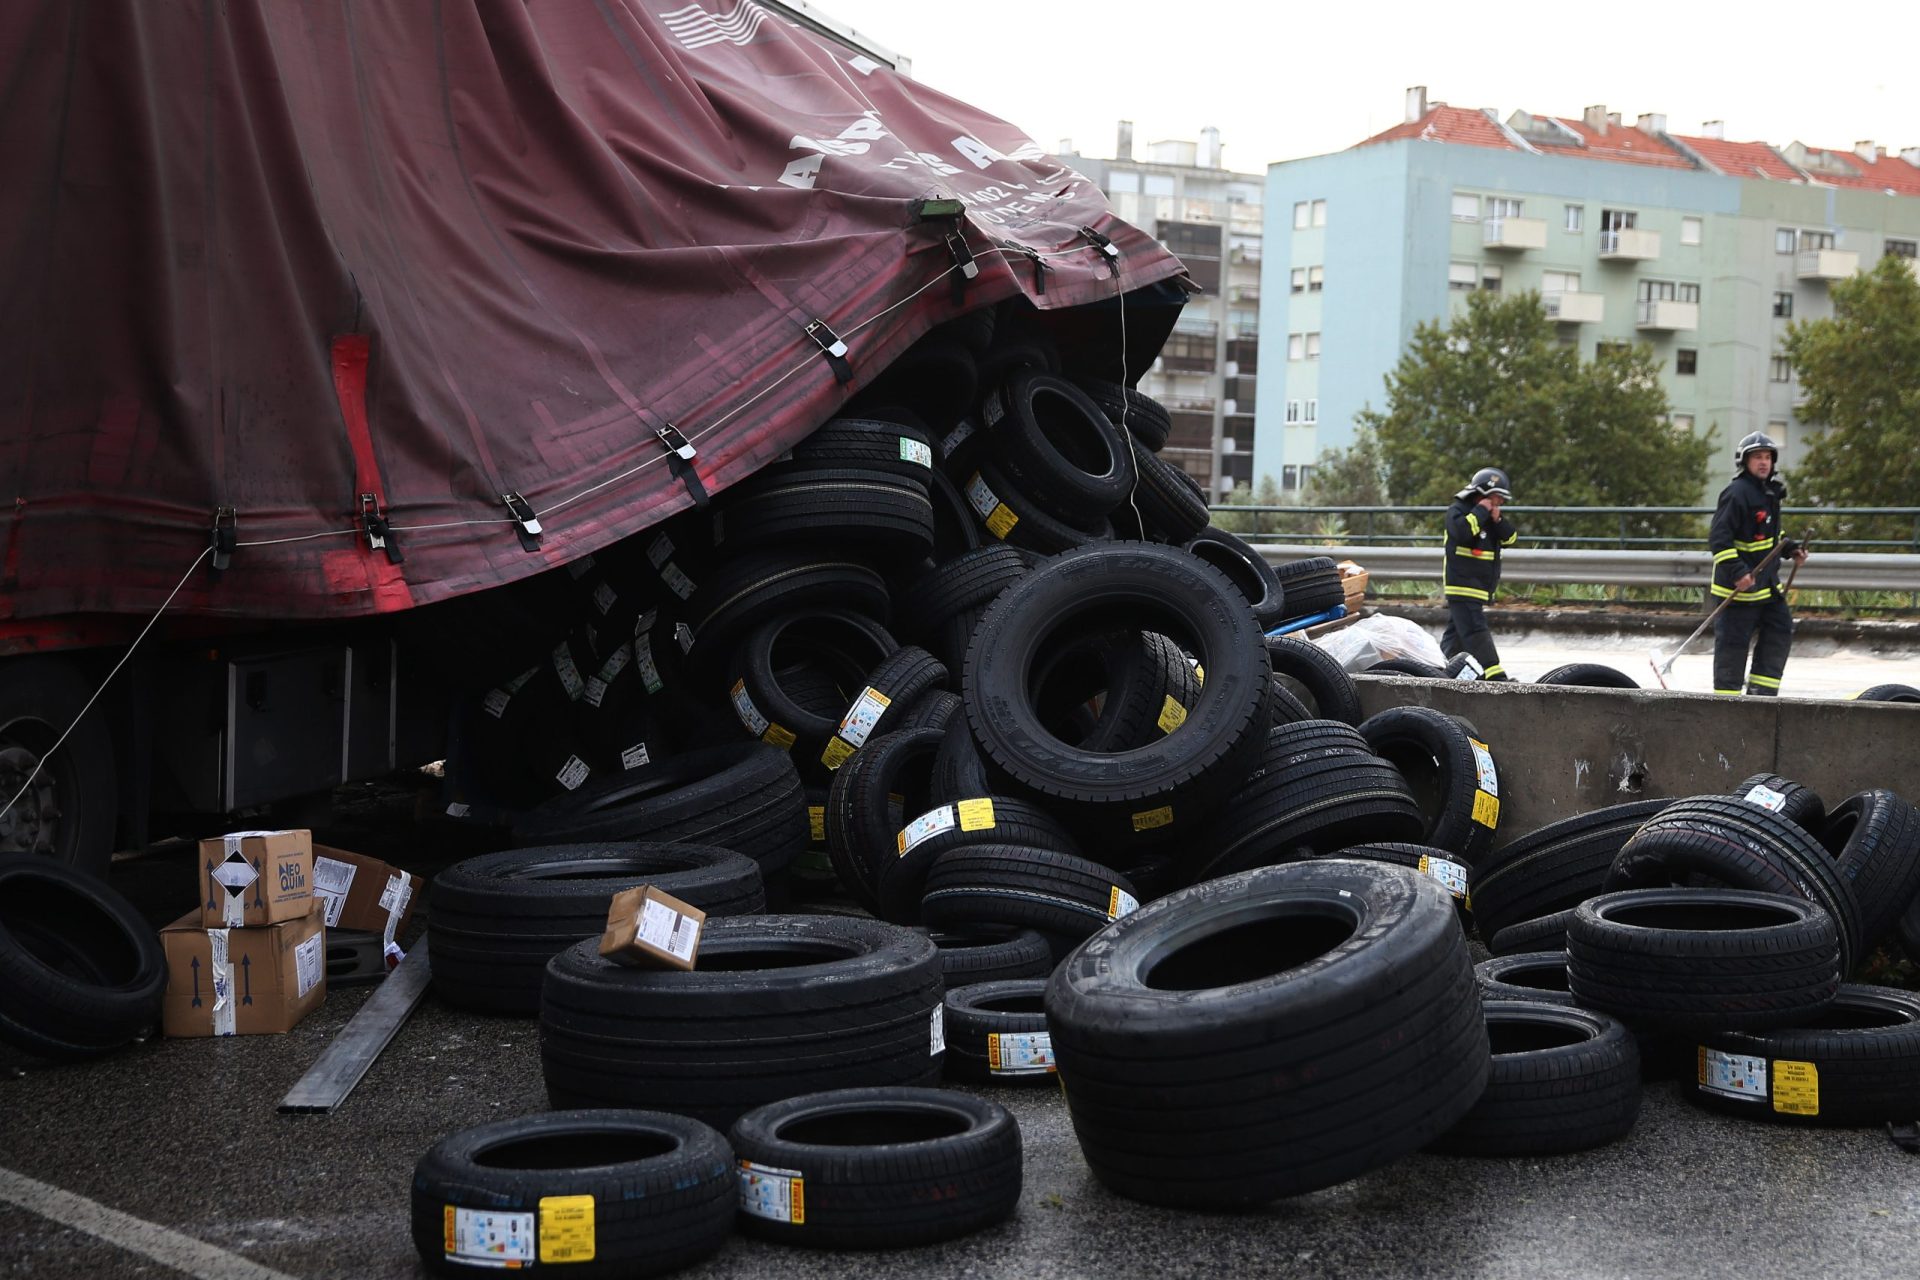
[
  {"x": 901, "y": 449},
  {"x": 958, "y": 770},
  {"x": 1180, "y": 1092},
  {"x": 1248, "y": 570},
  {"x": 869, "y": 802},
  {"x": 1700, "y": 960},
  {"x": 1150, "y": 684},
  {"x": 963, "y": 585},
  {"x": 777, "y": 669},
  {"x": 937, "y": 378},
  {"x": 1556, "y": 867},
  {"x": 779, "y": 1006},
  {"x": 997, "y": 1032},
  {"x": 497, "y": 919},
  {"x": 746, "y": 797},
  {"x": 885, "y": 703},
  {"x": 755, "y": 585},
  {"x": 1024, "y": 520},
  {"x": 1590, "y": 675},
  {"x": 660, "y": 1193},
  {"x": 885, "y": 515},
  {"x": 1563, "y": 1079},
  {"x": 901, "y": 880},
  {"x": 1875, "y": 837},
  {"x": 1049, "y": 439},
  {"x": 1406, "y": 667},
  {"x": 1888, "y": 693},
  {"x": 1331, "y": 691},
  {"x": 1799, "y": 805},
  {"x": 1140, "y": 415},
  {"x": 1542, "y": 933},
  {"x": 1742, "y": 846},
  {"x": 1855, "y": 1062},
  {"x": 955, "y": 531},
  {"x": 991, "y": 955},
  {"x": 1170, "y": 510},
  {"x": 1436, "y": 864},
  {"x": 1285, "y": 707},
  {"x": 1066, "y": 898},
  {"x": 887, "y": 1168},
  {"x": 1450, "y": 773},
  {"x": 1155, "y": 790},
  {"x": 934, "y": 709},
  {"x": 69, "y": 812},
  {"x": 1526, "y": 975},
  {"x": 81, "y": 973}
]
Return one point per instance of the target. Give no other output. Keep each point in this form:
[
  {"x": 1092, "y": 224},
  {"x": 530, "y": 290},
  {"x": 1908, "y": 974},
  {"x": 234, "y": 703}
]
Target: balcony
[
  {"x": 1629, "y": 244},
  {"x": 1246, "y": 254},
  {"x": 1666, "y": 315},
  {"x": 1575, "y": 308},
  {"x": 1243, "y": 293},
  {"x": 1827, "y": 264},
  {"x": 1514, "y": 233}
]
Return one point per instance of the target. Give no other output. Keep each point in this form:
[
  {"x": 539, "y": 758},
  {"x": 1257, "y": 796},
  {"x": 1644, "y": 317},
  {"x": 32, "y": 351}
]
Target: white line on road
[{"x": 136, "y": 1235}]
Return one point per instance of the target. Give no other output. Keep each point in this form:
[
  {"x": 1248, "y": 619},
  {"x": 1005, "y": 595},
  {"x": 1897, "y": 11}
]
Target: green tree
[
  {"x": 1860, "y": 370},
  {"x": 1247, "y": 523}
]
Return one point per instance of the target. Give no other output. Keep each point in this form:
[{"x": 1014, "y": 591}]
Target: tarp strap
[
  {"x": 525, "y": 522},
  {"x": 963, "y": 259},
  {"x": 680, "y": 456},
  {"x": 832, "y": 348},
  {"x": 226, "y": 536},
  {"x": 1105, "y": 246},
  {"x": 379, "y": 532}
]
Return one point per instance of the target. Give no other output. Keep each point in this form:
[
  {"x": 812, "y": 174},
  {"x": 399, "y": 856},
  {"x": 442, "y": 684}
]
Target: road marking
[{"x": 136, "y": 1235}]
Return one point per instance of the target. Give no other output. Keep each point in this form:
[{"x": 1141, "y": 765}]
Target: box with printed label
[
  {"x": 251, "y": 878},
  {"x": 646, "y": 926},
  {"x": 227, "y": 982},
  {"x": 359, "y": 892}
]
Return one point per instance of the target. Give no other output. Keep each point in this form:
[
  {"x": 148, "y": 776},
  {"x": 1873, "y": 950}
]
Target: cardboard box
[
  {"x": 253, "y": 878},
  {"x": 225, "y": 982},
  {"x": 359, "y": 892},
  {"x": 648, "y": 927}
]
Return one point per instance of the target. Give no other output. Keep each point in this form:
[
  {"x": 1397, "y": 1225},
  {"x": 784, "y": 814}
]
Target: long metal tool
[
  {"x": 1663, "y": 665},
  {"x": 341, "y": 1064}
]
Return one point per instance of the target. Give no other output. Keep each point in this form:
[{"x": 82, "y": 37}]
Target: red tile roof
[
  {"x": 1626, "y": 145},
  {"x": 1845, "y": 169},
  {"x": 1442, "y": 123},
  {"x": 1743, "y": 159}
]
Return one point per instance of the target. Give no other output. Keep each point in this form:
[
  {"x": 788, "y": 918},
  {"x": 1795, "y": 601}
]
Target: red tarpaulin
[{"x": 272, "y": 255}]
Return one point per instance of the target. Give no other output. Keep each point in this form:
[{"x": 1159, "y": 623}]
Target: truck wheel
[{"x": 69, "y": 810}]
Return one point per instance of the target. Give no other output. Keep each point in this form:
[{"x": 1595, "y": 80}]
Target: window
[
  {"x": 1316, "y": 279},
  {"x": 1782, "y": 369},
  {"x": 1319, "y": 213},
  {"x": 1302, "y": 215},
  {"x": 1617, "y": 219},
  {"x": 1296, "y": 346},
  {"x": 1502, "y": 207},
  {"x": 1313, "y": 346},
  {"x": 1462, "y": 275},
  {"x": 1310, "y": 413},
  {"x": 1490, "y": 277},
  {"x": 1466, "y": 208},
  {"x": 1815, "y": 240},
  {"x": 1299, "y": 279},
  {"x": 1293, "y": 411},
  {"x": 1686, "y": 361},
  {"x": 1289, "y": 478},
  {"x": 1783, "y": 240},
  {"x": 1777, "y": 429},
  {"x": 1123, "y": 183},
  {"x": 1668, "y": 291},
  {"x": 1576, "y": 220},
  {"x": 1903, "y": 249},
  {"x": 1306, "y": 474},
  {"x": 1682, "y": 422},
  {"x": 1783, "y": 305},
  {"x": 1559, "y": 282},
  {"x": 1159, "y": 184},
  {"x": 1690, "y": 231}
]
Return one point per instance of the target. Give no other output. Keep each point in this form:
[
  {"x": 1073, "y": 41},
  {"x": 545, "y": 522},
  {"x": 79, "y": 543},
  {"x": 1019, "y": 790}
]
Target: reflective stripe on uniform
[
  {"x": 1473, "y": 523},
  {"x": 1471, "y": 593},
  {"x": 1510, "y": 539},
  {"x": 1495, "y": 670},
  {"x": 1731, "y": 693},
  {"x": 1721, "y": 557},
  {"x": 1477, "y": 555},
  {"x": 1762, "y": 545},
  {"x": 1766, "y": 682}
]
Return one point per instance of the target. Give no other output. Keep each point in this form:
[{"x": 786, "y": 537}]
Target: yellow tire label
[
  {"x": 566, "y": 1229},
  {"x": 779, "y": 736},
  {"x": 977, "y": 814},
  {"x": 993, "y": 1051},
  {"x": 1001, "y": 522},
  {"x": 1486, "y": 810},
  {"x": 1796, "y": 1088},
  {"x": 1172, "y": 715},
  {"x": 838, "y": 752},
  {"x": 1120, "y": 902},
  {"x": 1148, "y": 819},
  {"x": 817, "y": 823}
]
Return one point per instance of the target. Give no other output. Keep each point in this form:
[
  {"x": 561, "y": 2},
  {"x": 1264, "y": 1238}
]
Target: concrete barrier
[{"x": 1562, "y": 750}]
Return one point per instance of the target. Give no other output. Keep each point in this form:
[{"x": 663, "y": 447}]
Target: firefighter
[
  {"x": 1746, "y": 529},
  {"x": 1476, "y": 534}
]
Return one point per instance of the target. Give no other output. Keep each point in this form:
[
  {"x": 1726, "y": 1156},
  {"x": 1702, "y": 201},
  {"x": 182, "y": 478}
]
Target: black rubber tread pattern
[
  {"x": 1153, "y": 792},
  {"x": 955, "y": 530},
  {"x": 1437, "y": 756},
  {"x": 1170, "y": 511},
  {"x": 991, "y": 955},
  {"x": 958, "y": 770},
  {"x": 496, "y": 920},
  {"x": 1440, "y": 865},
  {"x": 1547, "y": 1100},
  {"x": 1556, "y": 867},
  {"x": 1334, "y": 694},
  {"x": 1525, "y": 975},
  {"x": 1146, "y": 673},
  {"x": 1065, "y": 897},
  {"x": 81, "y": 972},
  {"x": 934, "y": 709},
  {"x": 899, "y": 1190},
  {"x": 750, "y": 587},
  {"x": 1035, "y": 526},
  {"x": 1590, "y": 675},
  {"x": 1888, "y": 693},
  {"x": 878, "y": 511},
  {"x": 1864, "y": 1050},
  {"x": 1542, "y": 933},
  {"x": 806, "y": 1001},
  {"x": 1741, "y": 960},
  {"x": 1743, "y": 846},
  {"x": 1180, "y": 1092},
  {"x": 1875, "y": 837},
  {"x": 903, "y": 678},
  {"x": 1311, "y": 594},
  {"x": 1249, "y": 571},
  {"x": 1406, "y": 667},
  {"x": 937, "y": 378},
  {"x": 746, "y": 797},
  {"x": 826, "y": 654},
  {"x": 651, "y": 1215},
  {"x": 1799, "y": 805},
  {"x": 1285, "y": 707},
  {"x": 979, "y": 1011},
  {"x": 901, "y": 880},
  {"x": 863, "y": 818},
  {"x": 1312, "y": 791},
  {"x": 968, "y": 582},
  {"x": 873, "y": 444},
  {"x": 1308, "y": 566},
  {"x": 972, "y": 330},
  {"x": 1015, "y": 417},
  {"x": 1143, "y": 417}
]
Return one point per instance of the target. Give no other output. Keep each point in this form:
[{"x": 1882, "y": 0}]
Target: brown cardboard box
[
  {"x": 648, "y": 927},
  {"x": 223, "y": 982},
  {"x": 251, "y": 878},
  {"x": 359, "y": 892}
]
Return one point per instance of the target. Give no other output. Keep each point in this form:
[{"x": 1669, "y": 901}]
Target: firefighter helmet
[
  {"x": 1753, "y": 442},
  {"x": 1487, "y": 480}
]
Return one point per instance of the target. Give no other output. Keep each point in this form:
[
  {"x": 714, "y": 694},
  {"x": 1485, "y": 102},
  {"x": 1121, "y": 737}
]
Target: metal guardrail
[{"x": 1840, "y": 571}]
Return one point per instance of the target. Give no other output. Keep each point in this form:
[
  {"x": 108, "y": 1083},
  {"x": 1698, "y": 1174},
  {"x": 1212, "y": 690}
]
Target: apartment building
[
  {"x": 1703, "y": 248},
  {"x": 1209, "y": 216}
]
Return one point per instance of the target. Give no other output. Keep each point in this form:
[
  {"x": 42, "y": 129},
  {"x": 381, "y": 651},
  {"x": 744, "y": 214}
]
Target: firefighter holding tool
[
  {"x": 1476, "y": 535},
  {"x": 1747, "y": 548}
]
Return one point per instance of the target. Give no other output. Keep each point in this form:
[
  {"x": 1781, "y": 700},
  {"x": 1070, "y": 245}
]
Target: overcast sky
[{"x": 1290, "y": 79}]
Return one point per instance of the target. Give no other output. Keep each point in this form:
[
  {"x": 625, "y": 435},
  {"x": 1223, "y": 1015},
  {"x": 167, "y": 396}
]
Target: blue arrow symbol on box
[
  {"x": 210, "y": 902},
  {"x": 246, "y": 977},
  {"x": 196, "y": 977},
  {"x": 257, "y": 900}
]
